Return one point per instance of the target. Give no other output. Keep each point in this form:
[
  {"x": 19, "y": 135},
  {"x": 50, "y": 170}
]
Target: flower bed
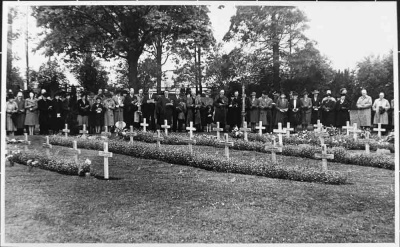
[
  {"x": 182, "y": 156},
  {"x": 59, "y": 164},
  {"x": 341, "y": 155}
]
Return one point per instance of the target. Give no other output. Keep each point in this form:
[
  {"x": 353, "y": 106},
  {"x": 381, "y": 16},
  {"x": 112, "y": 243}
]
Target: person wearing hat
[
  {"x": 91, "y": 115},
  {"x": 282, "y": 107},
  {"x": 180, "y": 110},
  {"x": 57, "y": 114},
  {"x": 381, "y": 107},
  {"x": 32, "y": 113},
  {"x": 234, "y": 109},
  {"x": 306, "y": 105},
  {"x": 98, "y": 110},
  {"x": 83, "y": 111},
  {"x": 138, "y": 115},
  {"x": 265, "y": 106},
  {"x": 209, "y": 110},
  {"x": 364, "y": 104},
  {"x": 316, "y": 107},
  {"x": 294, "y": 111},
  {"x": 220, "y": 106},
  {"x": 45, "y": 108},
  {"x": 342, "y": 110},
  {"x": 166, "y": 108},
  {"x": 328, "y": 109},
  {"x": 11, "y": 111},
  {"x": 119, "y": 106},
  {"x": 130, "y": 107},
  {"x": 109, "y": 107},
  {"x": 254, "y": 111},
  {"x": 149, "y": 107},
  {"x": 20, "y": 115}
]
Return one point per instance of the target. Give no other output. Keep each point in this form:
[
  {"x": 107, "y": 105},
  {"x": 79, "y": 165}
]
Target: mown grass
[{"x": 157, "y": 202}]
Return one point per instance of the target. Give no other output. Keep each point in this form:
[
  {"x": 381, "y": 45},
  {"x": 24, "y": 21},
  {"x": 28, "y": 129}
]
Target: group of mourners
[{"x": 78, "y": 108}]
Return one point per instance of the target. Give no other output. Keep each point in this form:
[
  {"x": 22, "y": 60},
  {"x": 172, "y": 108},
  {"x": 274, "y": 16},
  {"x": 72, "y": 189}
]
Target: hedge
[
  {"x": 181, "y": 156},
  {"x": 341, "y": 155},
  {"x": 60, "y": 164}
]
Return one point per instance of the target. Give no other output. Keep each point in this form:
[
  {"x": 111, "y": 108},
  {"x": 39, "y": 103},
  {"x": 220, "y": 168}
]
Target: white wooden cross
[
  {"x": 47, "y": 146},
  {"x": 355, "y": 130},
  {"x": 273, "y": 149},
  {"x": 366, "y": 141},
  {"x": 348, "y": 127},
  {"x": 379, "y": 129},
  {"x": 318, "y": 125},
  {"x": 159, "y": 139},
  {"x": 66, "y": 130},
  {"x": 131, "y": 134},
  {"x": 191, "y": 129},
  {"x": 245, "y": 130},
  {"x": 324, "y": 156},
  {"x": 190, "y": 141},
  {"x": 84, "y": 131},
  {"x": 218, "y": 129},
  {"x": 106, "y": 155},
  {"x": 280, "y": 131},
  {"x": 226, "y": 143},
  {"x": 26, "y": 142},
  {"x": 144, "y": 124},
  {"x": 260, "y": 128},
  {"x": 288, "y": 129},
  {"x": 76, "y": 151},
  {"x": 106, "y": 134},
  {"x": 321, "y": 135},
  {"x": 166, "y": 127}
]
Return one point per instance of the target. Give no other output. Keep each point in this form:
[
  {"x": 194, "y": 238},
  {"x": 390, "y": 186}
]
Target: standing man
[
  {"x": 220, "y": 104},
  {"x": 129, "y": 107},
  {"x": 138, "y": 115},
  {"x": 294, "y": 111},
  {"x": 328, "y": 109},
  {"x": 20, "y": 113},
  {"x": 57, "y": 113},
  {"x": 166, "y": 105},
  {"x": 364, "y": 104},
  {"x": 254, "y": 111},
  {"x": 149, "y": 107},
  {"x": 235, "y": 106},
  {"x": 316, "y": 107},
  {"x": 381, "y": 107},
  {"x": 265, "y": 104},
  {"x": 44, "y": 107},
  {"x": 175, "y": 110}
]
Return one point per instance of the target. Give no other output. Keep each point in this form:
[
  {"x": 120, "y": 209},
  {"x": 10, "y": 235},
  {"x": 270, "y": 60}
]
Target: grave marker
[
  {"x": 159, "y": 139},
  {"x": 226, "y": 143},
  {"x": 166, "y": 127},
  {"x": 106, "y": 155},
  {"x": 66, "y": 130},
  {"x": 75, "y": 151},
  {"x": 321, "y": 135},
  {"x": 355, "y": 130},
  {"x": 131, "y": 134},
  {"x": 245, "y": 130},
  {"x": 366, "y": 141},
  {"x": 144, "y": 124},
  {"x": 83, "y": 131},
  {"x": 26, "y": 142},
  {"x": 319, "y": 125},
  {"x": 260, "y": 128},
  {"x": 47, "y": 146},
  {"x": 273, "y": 149},
  {"x": 280, "y": 131},
  {"x": 190, "y": 142},
  {"x": 191, "y": 129},
  {"x": 379, "y": 129},
  {"x": 324, "y": 156},
  {"x": 348, "y": 127},
  {"x": 218, "y": 129},
  {"x": 288, "y": 129}
]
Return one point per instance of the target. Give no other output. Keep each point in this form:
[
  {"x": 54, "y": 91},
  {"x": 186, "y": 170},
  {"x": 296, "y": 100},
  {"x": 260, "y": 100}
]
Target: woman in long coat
[
  {"x": 282, "y": 106},
  {"x": 364, "y": 104},
  {"x": 20, "y": 121},
  {"x": 220, "y": 106},
  {"x": 342, "y": 111},
  {"x": 109, "y": 106},
  {"x": 381, "y": 107},
  {"x": 254, "y": 111},
  {"x": 11, "y": 109},
  {"x": 32, "y": 114},
  {"x": 265, "y": 105},
  {"x": 328, "y": 110},
  {"x": 83, "y": 111},
  {"x": 316, "y": 107},
  {"x": 98, "y": 110},
  {"x": 306, "y": 105},
  {"x": 190, "y": 108},
  {"x": 119, "y": 107}
]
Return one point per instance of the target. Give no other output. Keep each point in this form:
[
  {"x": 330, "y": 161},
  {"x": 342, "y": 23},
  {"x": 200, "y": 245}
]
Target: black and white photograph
[{"x": 191, "y": 122}]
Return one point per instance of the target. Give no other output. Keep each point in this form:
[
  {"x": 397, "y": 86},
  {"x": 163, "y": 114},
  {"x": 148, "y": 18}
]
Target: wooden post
[
  {"x": 324, "y": 156},
  {"x": 47, "y": 146},
  {"x": 245, "y": 130},
  {"x": 273, "y": 149},
  {"x": 83, "y": 131},
  {"x": 131, "y": 134},
  {"x": 226, "y": 143},
  {"x": 106, "y": 155},
  {"x": 66, "y": 130},
  {"x": 166, "y": 127},
  {"x": 76, "y": 151},
  {"x": 159, "y": 139},
  {"x": 280, "y": 131},
  {"x": 218, "y": 129},
  {"x": 348, "y": 127},
  {"x": 260, "y": 128},
  {"x": 379, "y": 129},
  {"x": 191, "y": 129},
  {"x": 355, "y": 130},
  {"x": 26, "y": 142},
  {"x": 366, "y": 141},
  {"x": 288, "y": 129},
  {"x": 144, "y": 124}
]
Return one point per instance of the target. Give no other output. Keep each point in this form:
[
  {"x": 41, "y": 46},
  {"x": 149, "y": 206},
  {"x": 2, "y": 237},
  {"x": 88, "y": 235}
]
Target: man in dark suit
[
  {"x": 45, "y": 109},
  {"x": 294, "y": 111},
  {"x": 175, "y": 98},
  {"x": 149, "y": 106},
  {"x": 130, "y": 107},
  {"x": 166, "y": 106}
]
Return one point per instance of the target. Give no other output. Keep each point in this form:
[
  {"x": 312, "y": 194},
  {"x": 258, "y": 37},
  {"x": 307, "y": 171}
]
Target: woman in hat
[
  {"x": 381, "y": 107},
  {"x": 220, "y": 106},
  {"x": 342, "y": 110},
  {"x": 98, "y": 111},
  {"x": 57, "y": 113},
  {"x": 45, "y": 108},
  {"x": 20, "y": 119},
  {"x": 190, "y": 106},
  {"x": 282, "y": 107},
  {"x": 316, "y": 107},
  {"x": 11, "y": 110},
  {"x": 328, "y": 109},
  {"x": 254, "y": 111},
  {"x": 119, "y": 106},
  {"x": 83, "y": 111},
  {"x": 306, "y": 105},
  {"x": 109, "y": 107},
  {"x": 32, "y": 114}
]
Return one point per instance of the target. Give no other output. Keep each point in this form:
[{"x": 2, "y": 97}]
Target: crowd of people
[{"x": 179, "y": 108}]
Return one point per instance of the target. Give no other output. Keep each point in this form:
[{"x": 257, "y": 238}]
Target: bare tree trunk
[
  {"x": 195, "y": 69},
  {"x": 199, "y": 62},
  {"x": 159, "y": 65},
  {"x": 275, "y": 54},
  {"x": 27, "y": 48},
  {"x": 132, "y": 70}
]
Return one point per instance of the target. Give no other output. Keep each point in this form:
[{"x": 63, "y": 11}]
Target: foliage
[
  {"x": 50, "y": 76},
  {"x": 182, "y": 156}
]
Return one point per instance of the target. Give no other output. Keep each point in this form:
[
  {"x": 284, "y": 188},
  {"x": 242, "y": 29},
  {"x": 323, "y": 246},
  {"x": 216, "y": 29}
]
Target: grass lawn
[{"x": 152, "y": 201}]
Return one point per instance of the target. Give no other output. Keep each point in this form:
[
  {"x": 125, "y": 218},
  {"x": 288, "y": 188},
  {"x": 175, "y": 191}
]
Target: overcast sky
[{"x": 345, "y": 32}]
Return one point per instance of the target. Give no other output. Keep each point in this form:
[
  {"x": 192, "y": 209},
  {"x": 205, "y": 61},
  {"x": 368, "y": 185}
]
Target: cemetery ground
[{"x": 153, "y": 201}]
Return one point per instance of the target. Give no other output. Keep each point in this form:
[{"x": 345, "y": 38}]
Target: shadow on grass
[{"x": 102, "y": 178}]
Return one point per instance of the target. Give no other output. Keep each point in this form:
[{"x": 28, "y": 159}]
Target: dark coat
[
  {"x": 234, "y": 111},
  {"x": 294, "y": 114},
  {"x": 220, "y": 106},
  {"x": 342, "y": 112},
  {"x": 316, "y": 110},
  {"x": 166, "y": 111},
  {"x": 328, "y": 112}
]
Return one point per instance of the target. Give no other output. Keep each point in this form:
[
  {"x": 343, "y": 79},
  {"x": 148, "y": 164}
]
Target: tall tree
[
  {"x": 271, "y": 31},
  {"x": 50, "y": 76}
]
